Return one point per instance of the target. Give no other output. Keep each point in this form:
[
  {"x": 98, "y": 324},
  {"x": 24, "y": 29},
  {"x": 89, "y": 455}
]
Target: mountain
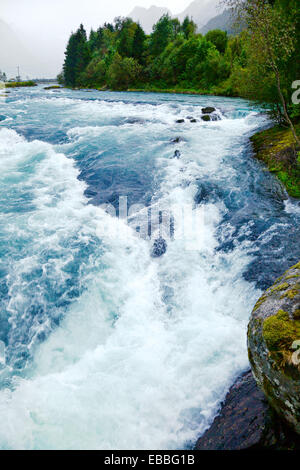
[
  {"x": 201, "y": 11},
  {"x": 223, "y": 21},
  {"x": 148, "y": 16}
]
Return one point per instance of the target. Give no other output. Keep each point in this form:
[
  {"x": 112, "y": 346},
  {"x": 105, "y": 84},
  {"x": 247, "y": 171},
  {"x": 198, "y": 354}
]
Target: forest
[{"x": 260, "y": 62}]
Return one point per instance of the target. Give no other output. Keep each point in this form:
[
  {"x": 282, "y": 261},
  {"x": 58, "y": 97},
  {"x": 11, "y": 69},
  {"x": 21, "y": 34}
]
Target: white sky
[
  {"x": 69, "y": 13},
  {"x": 44, "y": 27}
]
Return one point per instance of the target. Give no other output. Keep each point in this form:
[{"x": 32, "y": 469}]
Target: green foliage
[
  {"x": 174, "y": 57},
  {"x": 122, "y": 72},
  {"x": 163, "y": 33},
  {"x": 138, "y": 45},
  {"x": 188, "y": 27},
  {"x": 77, "y": 57},
  {"x": 218, "y": 38},
  {"x": 20, "y": 84}
]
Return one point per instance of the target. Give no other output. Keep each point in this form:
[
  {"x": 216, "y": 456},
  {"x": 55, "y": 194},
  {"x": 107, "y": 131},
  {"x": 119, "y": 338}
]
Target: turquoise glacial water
[{"x": 103, "y": 346}]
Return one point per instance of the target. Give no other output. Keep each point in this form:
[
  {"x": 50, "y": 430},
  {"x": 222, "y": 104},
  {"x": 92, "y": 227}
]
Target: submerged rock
[
  {"x": 2, "y": 118},
  {"x": 205, "y": 117},
  {"x": 135, "y": 120},
  {"x": 53, "y": 87},
  {"x": 177, "y": 154},
  {"x": 193, "y": 120},
  {"x": 159, "y": 248},
  {"x": 246, "y": 421},
  {"x": 274, "y": 345},
  {"x": 177, "y": 140},
  {"x": 208, "y": 110}
]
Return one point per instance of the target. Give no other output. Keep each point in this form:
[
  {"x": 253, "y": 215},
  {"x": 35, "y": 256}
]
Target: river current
[{"x": 102, "y": 344}]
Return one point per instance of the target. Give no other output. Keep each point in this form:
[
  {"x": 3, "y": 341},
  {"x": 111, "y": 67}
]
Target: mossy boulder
[{"x": 274, "y": 345}]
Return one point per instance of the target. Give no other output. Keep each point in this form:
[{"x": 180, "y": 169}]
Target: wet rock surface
[
  {"x": 274, "y": 345},
  {"x": 159, "y": 248},
  {"x": 208, "y": 110},
  {"x": 177, "y": 140},
  {"x": 247, "y": 422}
]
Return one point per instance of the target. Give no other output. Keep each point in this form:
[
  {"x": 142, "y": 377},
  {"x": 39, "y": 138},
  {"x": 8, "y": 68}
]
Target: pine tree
[
  {"x": 188, "y": 27},
  {"x": 77, "y": 57},
  {"x": 139, "y": 44}
]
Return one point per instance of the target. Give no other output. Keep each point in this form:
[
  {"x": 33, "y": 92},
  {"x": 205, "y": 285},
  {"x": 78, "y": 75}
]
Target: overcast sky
[
  {"x": 69, "y": 13},
  {"x": 44, "y": 27}
]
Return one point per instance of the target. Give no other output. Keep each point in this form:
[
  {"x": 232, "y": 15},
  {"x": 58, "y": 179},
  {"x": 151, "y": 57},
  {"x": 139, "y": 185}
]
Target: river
[{"x": 102, "y": 344}]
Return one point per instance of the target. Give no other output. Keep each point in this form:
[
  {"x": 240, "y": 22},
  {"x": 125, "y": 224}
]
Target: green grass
[
  {"x": 20, "y": 84},
  {"x": 276, "y": 148}
]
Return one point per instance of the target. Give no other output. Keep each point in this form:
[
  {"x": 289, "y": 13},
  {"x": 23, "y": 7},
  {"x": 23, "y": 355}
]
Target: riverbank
[
  {"x": 20, "y": 84},
  {"x": 275, "y": 147},
  {"x": 183, "y": 91}
]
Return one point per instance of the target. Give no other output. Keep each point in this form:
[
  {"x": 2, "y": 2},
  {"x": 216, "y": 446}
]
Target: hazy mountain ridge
[
  {"x": 148, "y": 16},
  {"x": 201, "y": 11},
  {"x": 222, "y": 21}
]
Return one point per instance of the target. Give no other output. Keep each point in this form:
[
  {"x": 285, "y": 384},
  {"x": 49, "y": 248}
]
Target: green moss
[
  {"x": 291, "y": 293},
  {"x": 292, "y": 276},
  {"x": 274, "y": 147},
  {"x": 279, "y": 331},
  {"x": 259, "y": 303},
  {"x": 281, "y": 287},
  {"x": 296, "y": 314}
]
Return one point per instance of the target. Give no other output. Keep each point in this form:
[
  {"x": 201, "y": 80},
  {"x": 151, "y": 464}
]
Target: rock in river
[
  {"x": 247, "y": 422},
  {"x": 274, "y": 346},
  {"x": 159, "y": 248},
  {"x": 208, "y": 110}
]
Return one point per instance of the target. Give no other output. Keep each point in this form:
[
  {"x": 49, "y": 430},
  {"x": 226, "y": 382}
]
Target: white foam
[{"x": 144, "y": 356}]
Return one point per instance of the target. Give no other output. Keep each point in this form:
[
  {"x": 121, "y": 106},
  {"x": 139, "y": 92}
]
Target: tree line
[{"x": 259, "y": 63}]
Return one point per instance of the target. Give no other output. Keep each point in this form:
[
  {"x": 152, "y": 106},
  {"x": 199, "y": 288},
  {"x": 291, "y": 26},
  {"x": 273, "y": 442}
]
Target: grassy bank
[
  {"x": 275, "y": 147},
  {"x": 181, "y": 91},
  {"x": 20, "y": 84}
]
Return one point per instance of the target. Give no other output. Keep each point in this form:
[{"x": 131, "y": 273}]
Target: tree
[
  {"x": 188, "y": 27},
  {"x": 138, "y": 46},
  {"x": 162, "y": 34},
  {"x": 126, "y": 31},
  {"x": 218, "y": 38},
  {"x": 122, "y": 72},
  {"x": 77, "y": 57},
  {"x": 273, "y": 38}
]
